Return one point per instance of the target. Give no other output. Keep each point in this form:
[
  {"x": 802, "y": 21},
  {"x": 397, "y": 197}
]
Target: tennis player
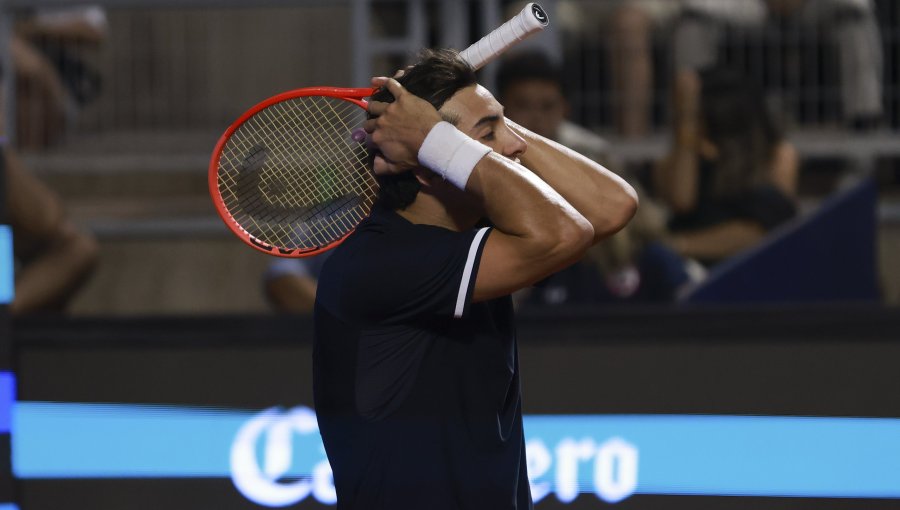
[{"x": 416, "y": 377}]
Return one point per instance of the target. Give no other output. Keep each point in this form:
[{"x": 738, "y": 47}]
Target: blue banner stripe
[
  {"x": 8, "y": 506},
  {"x": 7, "y": 398},
  {"x": 7, "y": 265},
  {"x": 747, "y": 455},
  {"x": 612, "y": 456}
]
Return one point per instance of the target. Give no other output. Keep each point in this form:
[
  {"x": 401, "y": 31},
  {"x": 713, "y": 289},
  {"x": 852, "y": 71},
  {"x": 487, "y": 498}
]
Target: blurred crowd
[
  {"x": 728, "y": 178},
  {"x": 53, "y": 256},
  {"x": 696, "y": 33}
]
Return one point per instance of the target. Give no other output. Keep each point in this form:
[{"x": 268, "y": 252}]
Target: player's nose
[{"x": 514, "y": 146}]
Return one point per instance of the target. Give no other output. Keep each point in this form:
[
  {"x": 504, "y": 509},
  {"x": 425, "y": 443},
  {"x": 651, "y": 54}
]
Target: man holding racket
[{"x": 416, "y": 376}]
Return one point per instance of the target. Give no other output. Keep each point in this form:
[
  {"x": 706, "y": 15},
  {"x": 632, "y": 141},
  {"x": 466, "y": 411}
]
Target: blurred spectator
[
  {"x": 530, "y": 88},
  {"x": 625, "y": 28},
  {"x": 633, "y": 265},
  {"x": 697, "y": 28},
  {"x": 52, "y": 79},
  {"x": 54, "y": 257},
  {"x": 730, "y": 176},
  {"x": 290, "y": 283},
  {"x": 849, "y": 24}
]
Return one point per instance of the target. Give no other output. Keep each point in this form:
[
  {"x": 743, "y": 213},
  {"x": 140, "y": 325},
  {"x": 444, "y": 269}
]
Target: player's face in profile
[
  {"x": 480, "y": 116},
  {"x": 538, "y": 105}
]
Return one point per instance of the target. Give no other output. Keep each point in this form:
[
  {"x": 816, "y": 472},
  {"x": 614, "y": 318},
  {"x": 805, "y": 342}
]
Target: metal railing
[
  {"x": 195, "y": 64},
  {"x": 798, "y": 64}
]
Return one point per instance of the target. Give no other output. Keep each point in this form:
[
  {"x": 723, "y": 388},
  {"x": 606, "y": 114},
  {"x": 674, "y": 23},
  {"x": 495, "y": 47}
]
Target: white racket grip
[{"x": 531, "y": 19}]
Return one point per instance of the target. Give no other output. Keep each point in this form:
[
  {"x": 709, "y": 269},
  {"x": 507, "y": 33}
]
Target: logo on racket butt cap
[{"x": 539, "y": 14}]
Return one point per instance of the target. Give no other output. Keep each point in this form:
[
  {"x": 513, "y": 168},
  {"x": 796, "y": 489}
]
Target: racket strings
[
  {"x": 319, "y": 135},
  {"x": 332, "y": 179},
  {"x": 274, "y": 215},
  {"x": 291, "y": 187},
  {"x": 291, "y": 176}
]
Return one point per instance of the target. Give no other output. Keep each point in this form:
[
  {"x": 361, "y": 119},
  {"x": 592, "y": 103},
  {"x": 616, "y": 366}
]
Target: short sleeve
[{"x": 431, "y": 273}]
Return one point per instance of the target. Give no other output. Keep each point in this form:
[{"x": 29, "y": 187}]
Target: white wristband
[{"x": 450, "y": 153}]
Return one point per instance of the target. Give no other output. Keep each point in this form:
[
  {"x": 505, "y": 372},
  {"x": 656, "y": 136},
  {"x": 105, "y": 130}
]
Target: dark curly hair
[
  {"x": 740, "y": 124},
  {"x": 436, "y": 77}
]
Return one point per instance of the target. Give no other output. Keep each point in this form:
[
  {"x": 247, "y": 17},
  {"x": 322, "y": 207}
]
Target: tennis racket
[{"x": 291, "y": 176}]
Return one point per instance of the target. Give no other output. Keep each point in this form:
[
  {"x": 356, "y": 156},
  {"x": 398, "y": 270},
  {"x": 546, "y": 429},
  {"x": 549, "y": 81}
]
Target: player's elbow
[
  {"x": 621, "y": 207},
  {"x": 570, "y": 240}
]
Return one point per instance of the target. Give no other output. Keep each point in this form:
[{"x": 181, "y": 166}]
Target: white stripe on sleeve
[{"x": 467, "y": 273}]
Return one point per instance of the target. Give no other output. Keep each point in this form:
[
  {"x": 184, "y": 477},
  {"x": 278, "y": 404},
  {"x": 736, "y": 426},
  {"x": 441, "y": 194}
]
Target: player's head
[
  {"x": 435, "y": 77},
  {"x": 530, "y": 87},
  {"x": 446, "y": 81}
]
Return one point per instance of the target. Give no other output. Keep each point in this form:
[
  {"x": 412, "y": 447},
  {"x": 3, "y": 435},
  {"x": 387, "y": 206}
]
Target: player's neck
[{"x": 427, "y": 210}]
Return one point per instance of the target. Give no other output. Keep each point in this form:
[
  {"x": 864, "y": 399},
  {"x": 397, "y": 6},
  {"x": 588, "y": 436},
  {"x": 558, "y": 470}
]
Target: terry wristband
[{"x": 450, "y": 153}]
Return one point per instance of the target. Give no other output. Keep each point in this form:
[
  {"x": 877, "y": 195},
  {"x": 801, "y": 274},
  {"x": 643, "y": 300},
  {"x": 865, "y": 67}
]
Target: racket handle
[{"x": 531, "y": 19}]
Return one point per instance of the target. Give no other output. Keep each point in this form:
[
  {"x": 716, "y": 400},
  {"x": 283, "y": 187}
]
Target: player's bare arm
[
  {"x": 537, "y": 232},
  {"x": 601, "y": 196}
]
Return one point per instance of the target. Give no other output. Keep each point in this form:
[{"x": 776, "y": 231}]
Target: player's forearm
[
  {"x": 601, "y": 196},
  {"x": 521, "y": 205}
]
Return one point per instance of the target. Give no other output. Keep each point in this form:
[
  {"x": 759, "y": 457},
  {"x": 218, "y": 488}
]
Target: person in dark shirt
[
  {"x": 730, "y": 175},
  {"x": 416, "y": 379}
]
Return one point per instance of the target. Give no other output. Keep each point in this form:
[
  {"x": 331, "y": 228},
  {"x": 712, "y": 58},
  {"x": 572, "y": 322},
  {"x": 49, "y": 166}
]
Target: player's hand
[{"x": 398, "y": 129}]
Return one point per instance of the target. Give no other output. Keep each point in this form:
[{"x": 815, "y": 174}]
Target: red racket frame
[{"x": 354, "y": 96}]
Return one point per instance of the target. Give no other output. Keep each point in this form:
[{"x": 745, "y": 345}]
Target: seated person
[
  {"x": 53, "y": 80},
  {"x": 730, "y": 175},
  {"x": 851, "y": 26},
  {"x": 530, "y": 87},
  {"x": 54, "y": 257}
]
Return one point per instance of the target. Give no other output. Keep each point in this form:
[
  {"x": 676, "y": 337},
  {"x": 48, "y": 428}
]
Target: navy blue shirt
[{"x": 416, "y": 388}]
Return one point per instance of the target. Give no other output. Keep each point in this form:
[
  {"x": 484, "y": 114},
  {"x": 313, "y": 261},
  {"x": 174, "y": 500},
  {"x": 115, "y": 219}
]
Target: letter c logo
[{"x": 261, "y": 485}]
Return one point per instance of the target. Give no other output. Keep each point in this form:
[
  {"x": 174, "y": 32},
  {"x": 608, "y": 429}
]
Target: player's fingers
[
  {"x": 377, "y": 107},
  {"x": 383, "y": 166},
  {"x": 393, "y": 86},
  {"x": 399, "y": 74},
  {"x": 380, "y": 166},
  {"x": 370, "y": 125}
]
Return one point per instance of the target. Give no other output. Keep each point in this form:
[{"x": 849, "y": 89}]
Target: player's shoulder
[
  {"x": 385, "y": 243},
  {"x": 367, "y": 248}
]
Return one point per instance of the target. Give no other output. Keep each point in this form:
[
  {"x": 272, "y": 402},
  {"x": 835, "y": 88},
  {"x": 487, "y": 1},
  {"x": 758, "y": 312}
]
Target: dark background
[{"x": 817, "y": 361}]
